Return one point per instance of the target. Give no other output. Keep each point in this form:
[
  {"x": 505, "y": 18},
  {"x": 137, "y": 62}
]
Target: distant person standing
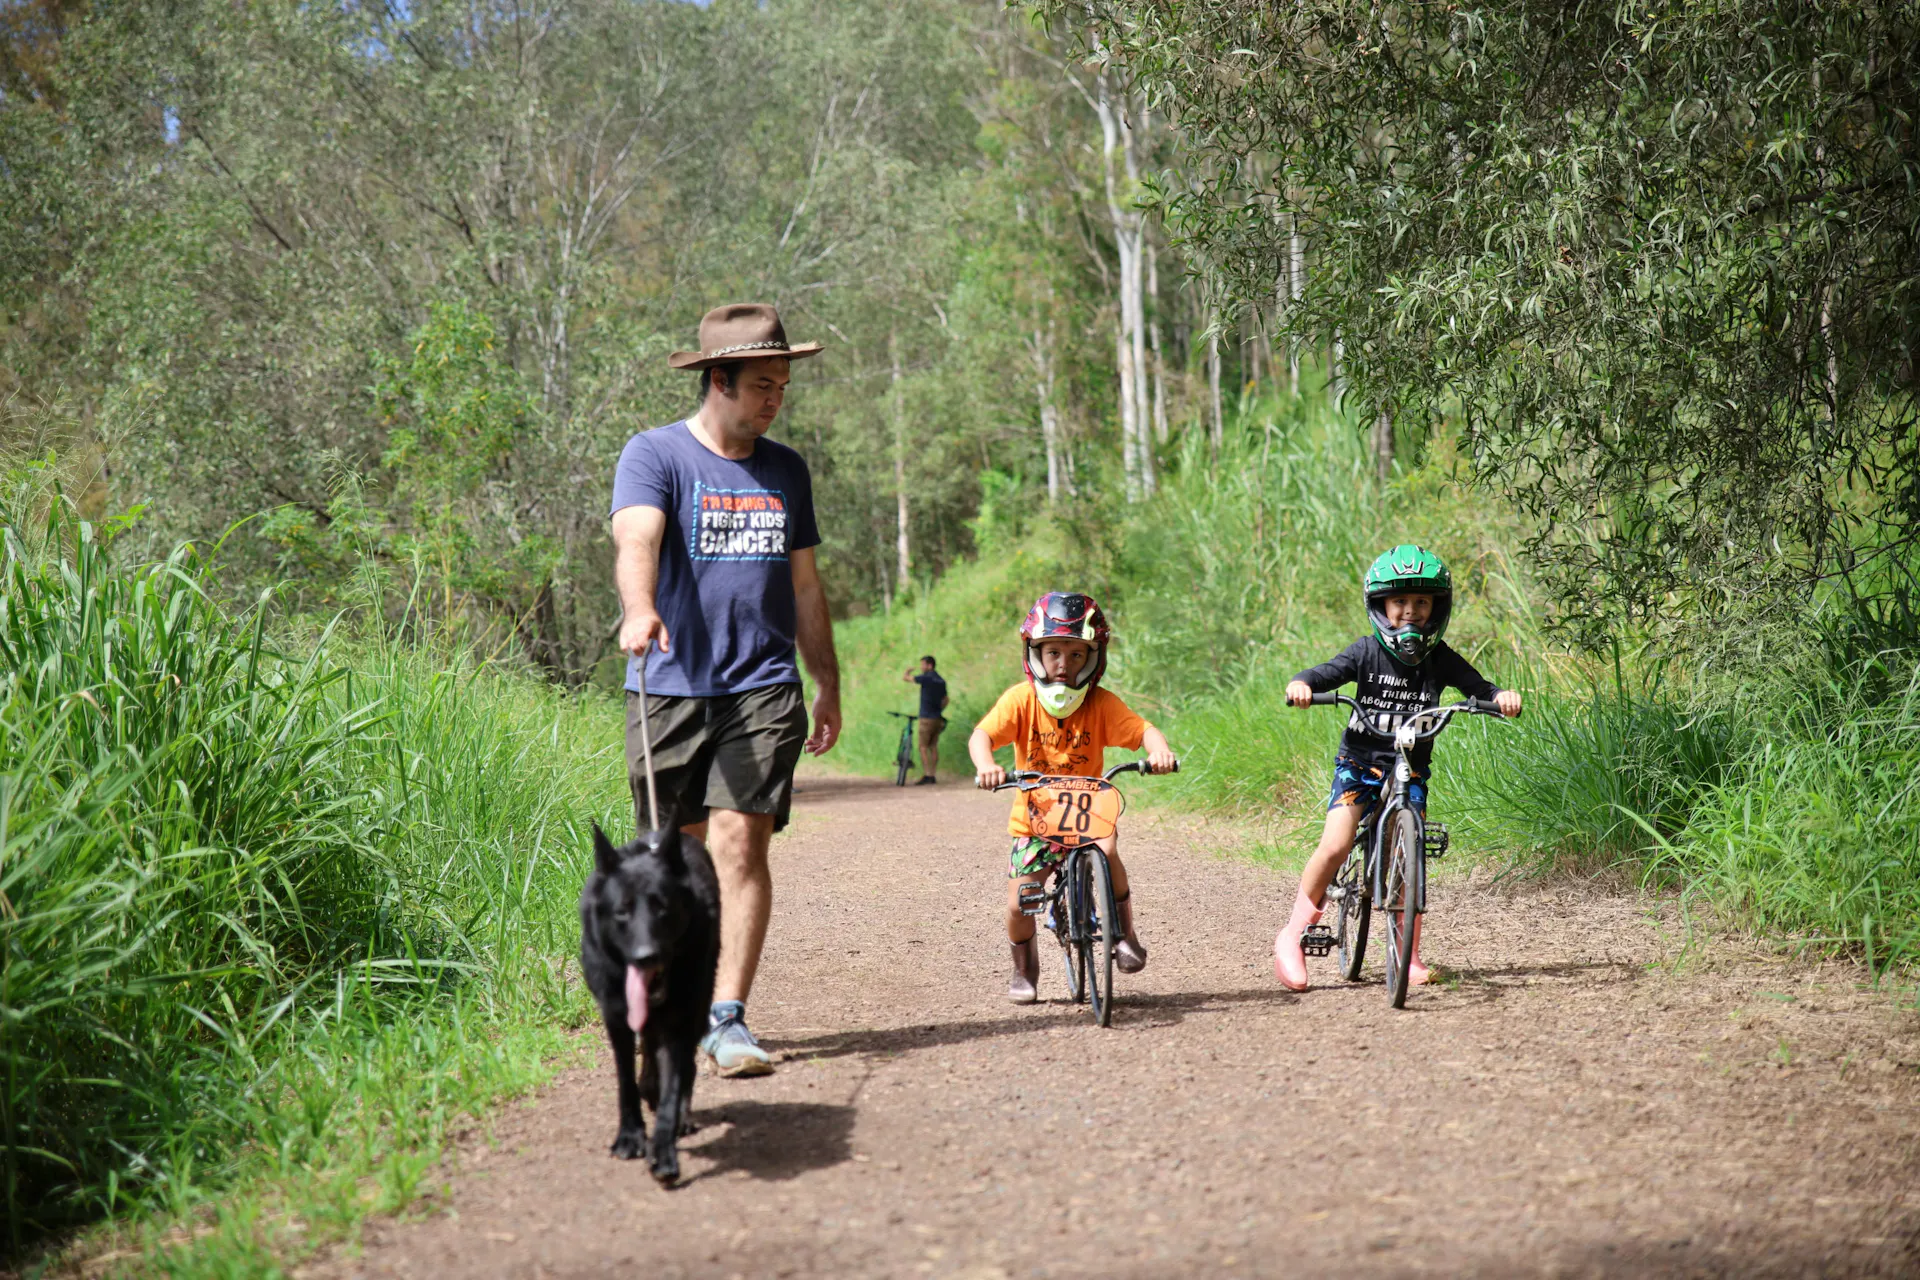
[
  {"x": 714, "y": 533},
  {"x": 933, "y": 701}
]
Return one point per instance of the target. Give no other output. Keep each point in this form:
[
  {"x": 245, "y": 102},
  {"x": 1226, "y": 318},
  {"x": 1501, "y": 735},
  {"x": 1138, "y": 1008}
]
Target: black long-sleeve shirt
[{"x": 1386, "y": 685}]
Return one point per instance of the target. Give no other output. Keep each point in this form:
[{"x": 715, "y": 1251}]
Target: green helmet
[{"x": 1409, "y": 570}]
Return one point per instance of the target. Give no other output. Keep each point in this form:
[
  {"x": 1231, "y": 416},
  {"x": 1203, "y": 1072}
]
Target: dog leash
[{"x": 646, "y": 740}]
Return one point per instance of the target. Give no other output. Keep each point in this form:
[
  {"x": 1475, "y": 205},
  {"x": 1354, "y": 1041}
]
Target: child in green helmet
[{"x": 1401, "y": 668}]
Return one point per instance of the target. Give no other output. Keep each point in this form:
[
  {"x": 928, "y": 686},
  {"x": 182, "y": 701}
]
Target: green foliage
[
  {"x": 222, "y": 866},
  {"x": 1816, "y": 830},
  {"x": 1657, "y": 259}
]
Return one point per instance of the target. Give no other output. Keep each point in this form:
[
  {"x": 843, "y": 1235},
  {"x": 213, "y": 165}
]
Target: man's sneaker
[
  {"x": 731, "y": 1046},
  {"x": 926, "y": 781}
]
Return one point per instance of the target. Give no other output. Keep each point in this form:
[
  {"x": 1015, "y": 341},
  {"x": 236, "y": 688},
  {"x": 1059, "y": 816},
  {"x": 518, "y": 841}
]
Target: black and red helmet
[{"x": 1065, "y": 615}]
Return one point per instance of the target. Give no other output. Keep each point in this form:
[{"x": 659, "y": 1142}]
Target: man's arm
[
  {"x": 636, "y": 572},
  {"x": 814, "y": 634}
]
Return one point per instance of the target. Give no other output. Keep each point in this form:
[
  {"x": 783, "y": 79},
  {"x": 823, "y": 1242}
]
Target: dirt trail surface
[{"x": 1582, "y": 1095}]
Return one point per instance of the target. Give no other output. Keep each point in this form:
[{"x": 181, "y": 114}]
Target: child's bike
[
  {"x": 1070, "y": 813},
  {"x": 903, "y": 760},
  {"x": 1388, "y": 861}
]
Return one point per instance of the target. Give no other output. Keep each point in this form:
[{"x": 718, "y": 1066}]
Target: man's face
[
  {"x": 754, "y": 400},
  {"x": 1063, "y": 660},
  {"x": 926, "y": 667},
  {"x": 1405, "y": 610}
]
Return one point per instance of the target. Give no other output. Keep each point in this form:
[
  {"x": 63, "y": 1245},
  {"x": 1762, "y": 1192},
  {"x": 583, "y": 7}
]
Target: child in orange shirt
[{"x": 1061, "y": 722}]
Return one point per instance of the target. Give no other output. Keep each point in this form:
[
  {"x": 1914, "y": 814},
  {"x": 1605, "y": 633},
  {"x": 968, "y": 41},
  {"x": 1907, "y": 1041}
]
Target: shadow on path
[
  {"x": 1159, "y": 1009},
  {"x": 775, "y": 1141}
]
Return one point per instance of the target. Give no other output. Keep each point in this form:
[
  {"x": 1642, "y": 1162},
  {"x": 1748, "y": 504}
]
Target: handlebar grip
[
  {"x": 1485, "y": 706},
  {"x": 1327, "y": 699}
]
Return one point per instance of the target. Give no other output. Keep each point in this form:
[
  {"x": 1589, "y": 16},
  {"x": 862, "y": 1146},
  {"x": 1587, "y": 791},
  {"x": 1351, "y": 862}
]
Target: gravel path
[{"x": 1584, "y": 1094}]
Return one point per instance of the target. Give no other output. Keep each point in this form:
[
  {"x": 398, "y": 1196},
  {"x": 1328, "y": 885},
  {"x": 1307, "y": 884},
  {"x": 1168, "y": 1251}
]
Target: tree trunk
[
  {"x": 1219, "y": 436},
  {"x": 1129, "y": 346},
  {"x": 1153, "y": 337},
  {"x": 1383, "y": 446},
  {"x": 1049, "y": 412},
  {"x": 1296, "y": 290},
  {"x": 1338, "y": 383},
  {"x": 904, "y": 569}
]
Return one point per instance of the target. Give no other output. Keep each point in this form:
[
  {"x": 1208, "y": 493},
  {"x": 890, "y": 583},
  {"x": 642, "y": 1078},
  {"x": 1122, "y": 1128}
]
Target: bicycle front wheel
[
  {"x": 1354, "y": 914},
  {"x": 1101, "y": 932},
  {"x": 1404, "y": 890},
  {"x": 904, "y": 762},
  {"x": 1061, "y": 921}
]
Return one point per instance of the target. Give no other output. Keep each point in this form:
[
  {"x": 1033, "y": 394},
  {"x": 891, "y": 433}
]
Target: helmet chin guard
[{"x": 1065, "y": 615}]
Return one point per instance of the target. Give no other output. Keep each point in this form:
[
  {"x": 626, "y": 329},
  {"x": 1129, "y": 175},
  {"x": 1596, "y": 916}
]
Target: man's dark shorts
[{"x": 734, "y": 751}]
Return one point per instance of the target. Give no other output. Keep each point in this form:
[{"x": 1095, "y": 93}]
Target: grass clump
[{"x": 236, "y": 881}]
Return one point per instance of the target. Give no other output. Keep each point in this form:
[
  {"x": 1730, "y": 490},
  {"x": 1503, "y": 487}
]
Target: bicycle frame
[
  {"x": 1082, "y": 815},
  {"x": 1372, "y": 838}
]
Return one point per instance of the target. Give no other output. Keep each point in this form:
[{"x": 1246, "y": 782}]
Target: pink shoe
[
  {"x": 1289, "y": 962},
  {"x": 1418, "y": 974}
]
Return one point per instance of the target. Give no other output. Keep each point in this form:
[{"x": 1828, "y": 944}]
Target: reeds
[{"x": 221, "y": 865}]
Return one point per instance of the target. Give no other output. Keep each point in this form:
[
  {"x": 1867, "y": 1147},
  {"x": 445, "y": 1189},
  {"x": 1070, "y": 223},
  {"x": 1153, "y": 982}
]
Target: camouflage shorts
[{"x": 1032, "y": 856}]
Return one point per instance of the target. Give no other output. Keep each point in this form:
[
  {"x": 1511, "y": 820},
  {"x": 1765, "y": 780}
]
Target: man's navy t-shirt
[
  {"x": 933, "y": 691},
  {"x": 726, "y": 586}
]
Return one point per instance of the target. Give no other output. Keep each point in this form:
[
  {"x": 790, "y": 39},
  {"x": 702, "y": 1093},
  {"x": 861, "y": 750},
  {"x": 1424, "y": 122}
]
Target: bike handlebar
[
  {"x": 1028, "y": 777},
  {"x": 903, "y": 715},
  {"x": 1472, "y": 706}
]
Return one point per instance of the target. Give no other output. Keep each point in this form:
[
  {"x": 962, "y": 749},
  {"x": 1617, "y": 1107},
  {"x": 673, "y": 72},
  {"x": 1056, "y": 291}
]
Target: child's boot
[
  {"x": 1418, "y": 974},
  {"x": 1289, "y": 961},
  {"x": 1130, "y": 954},
  {"x": 1026, "y": 971}
]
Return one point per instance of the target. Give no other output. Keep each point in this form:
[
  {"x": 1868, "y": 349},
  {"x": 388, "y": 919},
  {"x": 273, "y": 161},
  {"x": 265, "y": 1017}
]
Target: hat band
[{"x": 746, "y": 346}]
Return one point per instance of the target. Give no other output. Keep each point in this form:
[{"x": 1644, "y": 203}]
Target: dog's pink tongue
[{"x": 636, "y": 998}]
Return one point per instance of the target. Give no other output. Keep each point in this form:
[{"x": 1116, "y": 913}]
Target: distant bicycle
[
  {"x": 1071, "y": 812},
  {"x": 1388, "y": 862},
  {"x": 903, "y": 761}
]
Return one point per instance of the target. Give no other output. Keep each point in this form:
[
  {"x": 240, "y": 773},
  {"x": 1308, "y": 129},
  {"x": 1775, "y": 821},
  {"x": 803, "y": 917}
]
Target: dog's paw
[
  {"x": 629, "y": 1146},
  {"x": 666, "y": 1169}
]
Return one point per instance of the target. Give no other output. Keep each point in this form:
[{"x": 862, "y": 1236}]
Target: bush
[{"x": 211, "y": 852}]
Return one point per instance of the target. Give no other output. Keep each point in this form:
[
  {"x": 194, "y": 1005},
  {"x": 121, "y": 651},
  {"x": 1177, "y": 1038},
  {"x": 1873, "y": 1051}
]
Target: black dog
[{"x": 649, "y": 941}]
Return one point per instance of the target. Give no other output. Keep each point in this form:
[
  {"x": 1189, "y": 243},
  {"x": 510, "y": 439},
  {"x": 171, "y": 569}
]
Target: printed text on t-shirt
[{"x": 738, "y": 524}]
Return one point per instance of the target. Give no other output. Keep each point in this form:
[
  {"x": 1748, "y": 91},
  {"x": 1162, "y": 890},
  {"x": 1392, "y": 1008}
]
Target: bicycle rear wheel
[
  {"x": 904, "y": 762},
  {"x": 1404, "y": 890},
  {"x": 1354, "y": 914},
  {"x": 1100, "y": 933}
]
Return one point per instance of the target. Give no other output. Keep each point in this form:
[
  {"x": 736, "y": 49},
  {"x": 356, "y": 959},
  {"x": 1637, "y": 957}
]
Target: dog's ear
[{"x": 605, "y": 856}]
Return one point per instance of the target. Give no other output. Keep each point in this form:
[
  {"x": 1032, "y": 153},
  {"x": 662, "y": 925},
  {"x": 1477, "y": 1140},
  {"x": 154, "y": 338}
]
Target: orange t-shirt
[{"x": 1076, "y": 745}]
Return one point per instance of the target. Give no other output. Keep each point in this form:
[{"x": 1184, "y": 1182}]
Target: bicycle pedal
[
  {"x": 1437, "y": 840},
  {"x": 1033, "y": 899},
  {"x": 1317, "y": 941}
]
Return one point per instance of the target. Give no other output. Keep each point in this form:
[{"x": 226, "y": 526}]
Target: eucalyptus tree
[{"x": 1660, "y": 260}]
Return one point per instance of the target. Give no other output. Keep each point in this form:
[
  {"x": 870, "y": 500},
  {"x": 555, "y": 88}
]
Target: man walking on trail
[
  {"x": 714, "y": 533},
  {"x": 933, "y": 700}
]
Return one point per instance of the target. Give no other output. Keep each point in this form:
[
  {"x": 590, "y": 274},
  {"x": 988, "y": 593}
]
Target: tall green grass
[{"x": 229, "y": 874}]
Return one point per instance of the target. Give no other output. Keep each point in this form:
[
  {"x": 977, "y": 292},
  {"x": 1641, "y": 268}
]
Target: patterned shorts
[
  {"x": 1358, "y": 783},
  {"x": 1032, "y": 855}
]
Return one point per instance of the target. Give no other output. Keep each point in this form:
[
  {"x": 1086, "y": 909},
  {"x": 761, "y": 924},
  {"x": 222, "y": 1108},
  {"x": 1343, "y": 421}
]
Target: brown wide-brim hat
[{"x": 741, "y": 331}]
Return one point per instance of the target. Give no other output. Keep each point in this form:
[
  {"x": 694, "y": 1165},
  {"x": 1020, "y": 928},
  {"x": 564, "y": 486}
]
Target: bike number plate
[{"x": 1073, "y": 811}]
